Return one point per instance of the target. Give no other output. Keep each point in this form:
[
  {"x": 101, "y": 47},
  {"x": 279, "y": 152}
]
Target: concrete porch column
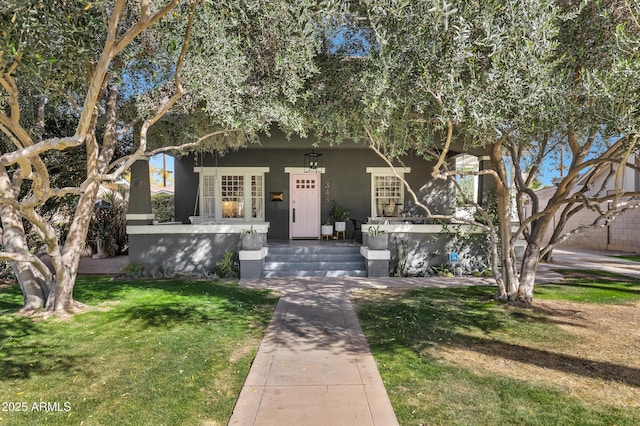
[
  {"x": 486, "y": 183},
  {"x": 377, "y": 262},
  {"x": 140, "y": 212},
  {"x": 252, "y": 262}
]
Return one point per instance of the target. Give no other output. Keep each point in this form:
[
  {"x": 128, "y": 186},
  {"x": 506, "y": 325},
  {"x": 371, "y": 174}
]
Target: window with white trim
[
  {"x": 232, "y": 193},
  {"x": 387, "y": 191}
]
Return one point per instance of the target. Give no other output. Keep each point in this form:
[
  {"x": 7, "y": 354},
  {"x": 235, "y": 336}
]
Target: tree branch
[
  {"x": 46, "y": 145},
  {"x": 145, "y": 22},
  {"x": 27, "y": 258}
]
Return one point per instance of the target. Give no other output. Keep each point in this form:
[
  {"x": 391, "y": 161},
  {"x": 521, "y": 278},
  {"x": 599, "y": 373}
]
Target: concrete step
[
  {"x": 315, "y": 273},
  {"x": 294, "y": 265},
  {"x": 328, "y": 249},
  {"x": 313, "y": 257},
  {"x": 314, "y": 261}
]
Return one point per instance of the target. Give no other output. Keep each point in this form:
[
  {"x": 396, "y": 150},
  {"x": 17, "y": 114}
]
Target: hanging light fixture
[{"x": 312, "y": 161}]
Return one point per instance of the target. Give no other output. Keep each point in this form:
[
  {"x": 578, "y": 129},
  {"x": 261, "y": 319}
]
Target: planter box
[
  {"x": 340, "y": 226},
  {"x": 251, "y": 241},
  {"x": 379, "y": 242}
]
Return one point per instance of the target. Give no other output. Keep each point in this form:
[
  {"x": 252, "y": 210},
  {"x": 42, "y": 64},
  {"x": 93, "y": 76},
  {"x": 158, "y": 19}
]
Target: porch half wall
[{"x": 186, "y": 249}]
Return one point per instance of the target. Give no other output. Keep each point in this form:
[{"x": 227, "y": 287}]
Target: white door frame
[{"x": 313, "y": 230}]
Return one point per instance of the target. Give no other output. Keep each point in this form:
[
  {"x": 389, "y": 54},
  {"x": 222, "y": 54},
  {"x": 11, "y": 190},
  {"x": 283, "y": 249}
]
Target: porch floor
[{"x": 312, "y": 243}]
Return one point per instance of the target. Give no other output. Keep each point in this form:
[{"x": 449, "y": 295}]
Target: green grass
[
  {"x": 153, "y": 352},
  {"x": 591, "y": 287},
  {"x": 635, "y": 258},
  {"x": 408, "y": 332}
]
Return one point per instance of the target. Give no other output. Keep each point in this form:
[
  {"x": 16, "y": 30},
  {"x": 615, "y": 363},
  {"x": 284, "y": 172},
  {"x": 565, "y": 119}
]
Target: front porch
[
  {"x": 264, "y": 188},
  {"x": 196, "y": 248}
]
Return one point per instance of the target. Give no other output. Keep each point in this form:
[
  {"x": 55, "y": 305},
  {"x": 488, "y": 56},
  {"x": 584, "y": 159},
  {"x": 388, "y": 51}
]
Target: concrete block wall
[{"x": 622, "y": 234}]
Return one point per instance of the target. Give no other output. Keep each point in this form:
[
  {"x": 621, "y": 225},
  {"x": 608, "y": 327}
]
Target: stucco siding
[
  {"x": 165, "y": 254},
  {"x": 345, "y": 180}
]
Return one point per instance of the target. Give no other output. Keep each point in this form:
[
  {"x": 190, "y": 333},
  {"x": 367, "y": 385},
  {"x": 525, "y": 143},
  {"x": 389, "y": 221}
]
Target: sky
[{"x": 156, "y": 162}]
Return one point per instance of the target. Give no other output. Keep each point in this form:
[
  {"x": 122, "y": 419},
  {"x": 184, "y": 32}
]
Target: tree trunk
[
  {"x": 61, "y": 298},
  {"x": 528, "y": 273},
  {"x": 508, "y": 289},
  {"x": 34, "y": 284}
]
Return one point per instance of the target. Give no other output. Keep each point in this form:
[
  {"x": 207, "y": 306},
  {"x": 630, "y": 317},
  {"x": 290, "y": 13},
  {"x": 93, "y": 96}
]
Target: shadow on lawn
[
  {"x": 173, "y": 303},
  {"x": 22, "y": 355},
  {"x": 550, "y": 360},
  {"x": 436, "y": 318},
  {"x": 26, "y": 349}
]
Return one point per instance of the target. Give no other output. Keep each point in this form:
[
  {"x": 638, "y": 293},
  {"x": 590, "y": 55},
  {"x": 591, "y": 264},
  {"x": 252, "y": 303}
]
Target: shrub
[
  {"x": 227, "y": 267},
  {"x": 133, "y": 270},
  {"x": 163, "y": 207}
]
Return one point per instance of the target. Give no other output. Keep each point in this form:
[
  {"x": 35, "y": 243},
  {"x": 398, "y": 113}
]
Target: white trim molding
[
  {"x": 253, "y": 254},
  {"x": 369, "y": 254},
  {"x": 381, "y": 170},
  {"x": 408, "y": 228},
  {"x": 218, "y": 228},
  {"x": 295, "y": 170},
  {"x": 230, "y": 170},
  {"x": 141, "y": 216}
]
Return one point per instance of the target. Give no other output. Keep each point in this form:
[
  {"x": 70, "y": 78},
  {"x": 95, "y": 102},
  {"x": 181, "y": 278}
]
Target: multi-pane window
[
  {"x": 208, "y": 197},
  {"x": 232, "y": 193},
  {"x": 387, "y": 195},
  {"x": 257, "y": 196},
  {"x": 305, "y": 183},
  {"x": 387, "y": 191}
]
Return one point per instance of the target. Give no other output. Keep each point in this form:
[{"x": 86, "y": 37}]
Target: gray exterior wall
[
  {"x": 180, "y": 253},
  {"x": 413, "y": 254},
  {"x": 345, "y": 174}
]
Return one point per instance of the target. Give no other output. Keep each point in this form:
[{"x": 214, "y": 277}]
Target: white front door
[{"x": 304, "y": 207}]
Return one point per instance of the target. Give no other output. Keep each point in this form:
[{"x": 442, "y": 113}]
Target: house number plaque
[{"x": 326, "y": 192}]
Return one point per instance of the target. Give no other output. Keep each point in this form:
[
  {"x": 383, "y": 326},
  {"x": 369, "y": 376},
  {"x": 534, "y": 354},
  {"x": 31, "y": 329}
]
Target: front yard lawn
[
  {"x": 454, "y": 356},
  {"x": 147, "y": 352}
]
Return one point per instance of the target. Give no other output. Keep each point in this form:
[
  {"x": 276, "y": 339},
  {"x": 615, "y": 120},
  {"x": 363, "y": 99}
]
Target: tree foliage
[
  {"x": 113, "y": 69},
  {"x": 507, "y": 79}
]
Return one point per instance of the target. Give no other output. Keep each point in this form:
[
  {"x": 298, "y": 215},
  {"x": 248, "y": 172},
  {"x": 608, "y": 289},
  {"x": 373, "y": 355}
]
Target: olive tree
[
  {"x": 119, "y": 67},
  {"x": 45, "y": 46},
  {"x": 509, "y": 78}
]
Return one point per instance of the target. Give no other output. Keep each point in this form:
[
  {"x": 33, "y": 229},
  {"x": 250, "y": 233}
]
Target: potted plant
[
  {"x": 340, "y": 216},
  {"x": 327, "y": 228},
  {"x": 378, "y": 239},
  {"x": 251, "y": 239}
]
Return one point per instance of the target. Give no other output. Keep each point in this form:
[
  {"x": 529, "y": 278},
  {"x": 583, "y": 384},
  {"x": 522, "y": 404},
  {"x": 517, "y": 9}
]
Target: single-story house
[{"x": 285, "y": 189}]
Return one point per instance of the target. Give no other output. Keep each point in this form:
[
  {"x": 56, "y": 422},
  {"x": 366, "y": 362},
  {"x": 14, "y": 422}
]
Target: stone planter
[
  {"x": 340, "y": 226},
  {"x": 251, "y": 241},
  {"x": 379, "y": 242}
]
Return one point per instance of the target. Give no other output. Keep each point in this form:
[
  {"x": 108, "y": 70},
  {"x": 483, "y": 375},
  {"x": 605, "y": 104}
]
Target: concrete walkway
[
  {"x": 314, "y": 366},
  {"x": 566, "y": 258}
]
